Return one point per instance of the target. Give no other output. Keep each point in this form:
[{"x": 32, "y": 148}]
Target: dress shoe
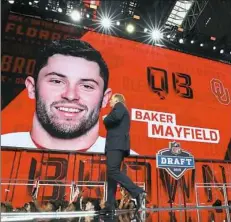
[
  {"x": 140, "y": 199},
  {"x": 107, "y": 211}
]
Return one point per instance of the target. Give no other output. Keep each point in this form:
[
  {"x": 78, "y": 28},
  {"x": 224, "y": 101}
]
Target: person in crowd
[
  {"x": 6, "y": 207},
  {"x": 126, "y": 201},
  {"x": 216, "y": 204}
]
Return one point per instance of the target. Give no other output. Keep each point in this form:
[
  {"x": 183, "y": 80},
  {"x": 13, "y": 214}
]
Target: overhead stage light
[
  {"x": 88, "y": 16},
  {"x": 222, "y": 51},
  {"x": 106, "y": 22},
  {"x": 118, "y": 23},
  {"x": 201, "y": 45},
  {"x": 130, "y": 28},
  {"x": 168, "y": 36},
  {"x": 11, "y": 1},
  {"x": 156, "y": 35},
  {"x": 214, "y": 47},
  {"x": 181, "y": 41},
  {"x": 60, "y": 10},
  {"x": 145, "y": 30},
  {"x": 192, "y": 41},
  {"x": 75, "y": 15}
]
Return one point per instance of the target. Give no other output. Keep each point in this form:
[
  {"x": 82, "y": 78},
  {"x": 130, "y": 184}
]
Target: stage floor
[{"x": 220, "y": 214}]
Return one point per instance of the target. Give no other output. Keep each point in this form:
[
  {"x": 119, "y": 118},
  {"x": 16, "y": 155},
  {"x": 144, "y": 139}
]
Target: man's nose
[{"x": 71, "y": 93}]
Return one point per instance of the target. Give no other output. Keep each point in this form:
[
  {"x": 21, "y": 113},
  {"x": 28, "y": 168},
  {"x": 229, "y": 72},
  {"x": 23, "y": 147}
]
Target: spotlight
[
  {"x": 145, "y": 30},
  {"x": 106, "y": 22},
  {"x": 214, "y": 47},
  {"x": 222, "y": 51},
  {"x": 130, "y": 28},
  {"x": 88, "y": 16},
  {"x": 168, "y": 36},
  {"x": 60, "y": 10},
  {"x": 156, "y": 35},
  {"x": 201, "y": 45},
  {"x": 30, "y": 3},
  {"x": 36, "y": 1},
  {"x": 192, "y": 41},
  {"x": 75, "y": 15},
  {"x": 230, "y": 52},
  {"x": 118, "y": 23},
  {"x": 181, "y": 41},
  {"x": 46, "y": 8},
  {"x": 11, "y": 1}
]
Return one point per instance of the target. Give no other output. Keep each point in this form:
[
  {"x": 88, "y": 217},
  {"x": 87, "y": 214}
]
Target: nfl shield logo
[{"x": 175, "y": 160}]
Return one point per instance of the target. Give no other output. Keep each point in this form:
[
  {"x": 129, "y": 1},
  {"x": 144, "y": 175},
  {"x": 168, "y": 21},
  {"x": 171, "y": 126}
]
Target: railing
[
  {"x": 222, "y": 187},
  {"x": 43, "y": 183},
  {"x": 87, "y": 168}
]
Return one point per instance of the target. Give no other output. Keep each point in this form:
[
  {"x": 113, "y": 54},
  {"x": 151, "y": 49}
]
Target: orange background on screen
[{"x": 128, "y": 62}]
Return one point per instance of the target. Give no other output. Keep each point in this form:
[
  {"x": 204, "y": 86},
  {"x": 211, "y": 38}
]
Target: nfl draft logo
[{"x": 175, "y": 160}]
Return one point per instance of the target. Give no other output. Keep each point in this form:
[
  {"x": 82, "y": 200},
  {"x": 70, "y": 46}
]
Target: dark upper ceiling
[
  {"x": 214, "y": 20},
  {"x": 220, "y": 23},
  {"x": 217, "y": 12}
]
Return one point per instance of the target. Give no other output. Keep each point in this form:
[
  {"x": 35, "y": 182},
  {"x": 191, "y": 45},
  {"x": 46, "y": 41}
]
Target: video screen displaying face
[{"x": 171, "y": 96}]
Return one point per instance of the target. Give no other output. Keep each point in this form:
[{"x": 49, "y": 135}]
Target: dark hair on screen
[{"x": 72, "y": 47}]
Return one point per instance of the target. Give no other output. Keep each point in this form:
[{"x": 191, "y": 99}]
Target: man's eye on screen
[
  {"x": 87, "y": 87},
  {"x": 56, "y": 81}
]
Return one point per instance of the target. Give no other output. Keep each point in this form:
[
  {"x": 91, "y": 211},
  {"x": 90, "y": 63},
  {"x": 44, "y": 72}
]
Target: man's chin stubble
[{"x": 59, "y": 132}]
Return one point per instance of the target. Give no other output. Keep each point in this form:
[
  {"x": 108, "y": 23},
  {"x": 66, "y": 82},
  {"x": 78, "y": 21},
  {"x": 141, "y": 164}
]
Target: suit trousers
[{"x": 114, "y": 176}]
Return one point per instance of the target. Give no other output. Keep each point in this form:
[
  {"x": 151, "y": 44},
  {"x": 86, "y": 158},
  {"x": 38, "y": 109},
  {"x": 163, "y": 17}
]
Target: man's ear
[
  {"x": 30, "y": 85},
  {"x": 106, "y": 97}
]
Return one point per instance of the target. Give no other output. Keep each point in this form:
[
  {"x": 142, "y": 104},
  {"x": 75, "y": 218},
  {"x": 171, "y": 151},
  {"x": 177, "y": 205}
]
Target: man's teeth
[{"x": 70, "y": 110}]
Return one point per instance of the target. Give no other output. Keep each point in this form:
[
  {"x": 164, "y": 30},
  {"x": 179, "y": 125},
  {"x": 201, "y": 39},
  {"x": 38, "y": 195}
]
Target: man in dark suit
[{"x": 117, "y": 123}]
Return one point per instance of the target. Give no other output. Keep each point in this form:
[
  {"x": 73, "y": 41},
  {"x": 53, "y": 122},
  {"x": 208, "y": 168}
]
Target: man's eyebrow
[
  {"x": 63, "y": 76},
  {"x": 90, "y": 80},
  {"x": 55, "y": 74}
]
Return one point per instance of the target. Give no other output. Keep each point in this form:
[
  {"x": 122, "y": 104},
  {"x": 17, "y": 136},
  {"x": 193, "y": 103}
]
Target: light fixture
[
  {"x": 181, "y": 41},
  {"x": 192, "y": 41},
  {"x": 75, "y": 15},
  {"x": 145, "y": 30},
  {"x": 11, "y": 1},
  {"x": 118, "y": 23},
  {"x": 60, "y": 10},
  {"x": 222, "y": 51},
  {"x": 30, "y": 3},
  {"x": 106, "y": 22},
  {"x": 201, "y": 45},
  {"x": 36, "y": 1},
  {"x": 88, "y": 16},
  {"x": 156, "y": 34},
  {"x": 168, "y": 36},
  {"x": 214, "y": 47},
  {"x": 130, "y": 28}
]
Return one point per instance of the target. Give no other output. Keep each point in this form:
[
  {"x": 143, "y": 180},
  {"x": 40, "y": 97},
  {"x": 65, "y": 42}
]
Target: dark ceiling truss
[{"x": 194, "y": 13}]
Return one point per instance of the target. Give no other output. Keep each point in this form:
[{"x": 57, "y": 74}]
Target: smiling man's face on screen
[
  {"x": 69, "y": 95},
  {"x": 69, "y": 86}
]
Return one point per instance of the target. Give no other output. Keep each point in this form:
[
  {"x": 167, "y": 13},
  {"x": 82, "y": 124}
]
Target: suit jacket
[{"x": 117, "y": 123}]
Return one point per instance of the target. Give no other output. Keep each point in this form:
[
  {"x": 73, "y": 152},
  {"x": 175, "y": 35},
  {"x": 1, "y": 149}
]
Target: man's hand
[{"x": 75, "y": 193}]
